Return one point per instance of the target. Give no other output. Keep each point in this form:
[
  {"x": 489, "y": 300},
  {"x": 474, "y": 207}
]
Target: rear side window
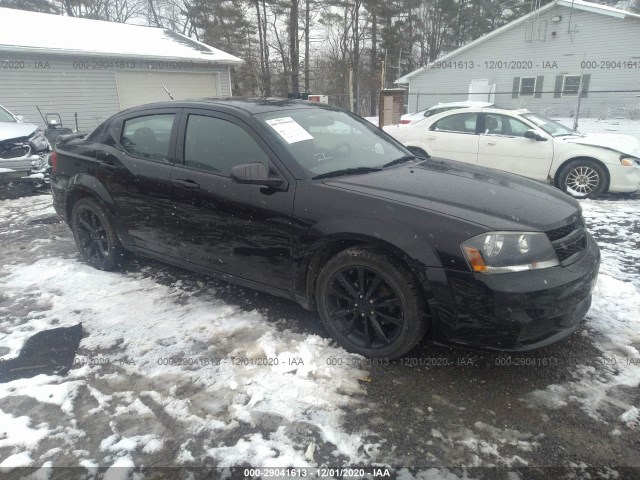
[
  {"x": 459, "y": 123},
  {"x": 218, "y": 145},
  {"x": 148, "y": 137}
]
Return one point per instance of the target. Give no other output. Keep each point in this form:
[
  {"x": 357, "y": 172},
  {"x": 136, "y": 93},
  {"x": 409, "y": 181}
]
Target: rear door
[
  {"x": 454, "y": 137},
  {"x": 503, "y": 146},
  {"x": 241, "y": 230},
  {"x": 135, "y": 166}
]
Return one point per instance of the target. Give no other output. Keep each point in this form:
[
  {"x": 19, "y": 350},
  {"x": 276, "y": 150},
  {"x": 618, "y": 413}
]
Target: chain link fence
[{"x": 599, "y": 111}]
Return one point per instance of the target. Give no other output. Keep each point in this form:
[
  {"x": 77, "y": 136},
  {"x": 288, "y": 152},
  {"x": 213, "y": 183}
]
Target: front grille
[
  {"x": 14, "y": 149},
  {"x": 538, "y": 330},
  {"x": 568, "y": 242}
]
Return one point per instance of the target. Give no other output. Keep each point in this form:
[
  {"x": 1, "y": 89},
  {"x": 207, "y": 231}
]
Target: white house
[
  {"x": 540, "y": 61},
  {"x": 94, "y": 68}
]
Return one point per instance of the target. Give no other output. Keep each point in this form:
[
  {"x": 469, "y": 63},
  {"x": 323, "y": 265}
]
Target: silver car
[{"x": 24, "y": 150}]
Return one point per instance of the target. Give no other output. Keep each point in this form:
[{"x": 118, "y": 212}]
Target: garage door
[{"x": 138, "y": 88}]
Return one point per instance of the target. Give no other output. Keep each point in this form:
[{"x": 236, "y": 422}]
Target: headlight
[
  {"x": 629, "y": 161},
  {"x": 504, "y": 252},
  {"x": 39, "y": 141}
]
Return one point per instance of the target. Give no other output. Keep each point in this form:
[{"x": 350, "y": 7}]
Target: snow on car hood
[
  {"x": 620, "y": 143},
  {"x": 9, "y": 130}
]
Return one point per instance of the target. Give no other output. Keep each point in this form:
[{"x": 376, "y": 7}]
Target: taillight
[
  {"x": 404, "y": 122},
  {"x": 53, "y": 160}
]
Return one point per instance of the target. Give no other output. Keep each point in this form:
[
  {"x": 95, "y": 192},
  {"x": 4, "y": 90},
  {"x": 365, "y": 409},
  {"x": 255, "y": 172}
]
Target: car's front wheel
[
  {"x": 583, "y": 178},
  {"x": 370, "y": 303},
  {"x": 94, "y": 234}
]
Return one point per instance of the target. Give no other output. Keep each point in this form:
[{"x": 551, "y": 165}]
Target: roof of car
[{"x": 248, "y": 105}]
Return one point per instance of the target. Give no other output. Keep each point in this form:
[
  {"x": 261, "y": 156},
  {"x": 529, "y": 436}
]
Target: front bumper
[
  {"x": 33, "y": 168},
  {"x": 624, "y": 179},
  {"x": 518, "y": 311}
]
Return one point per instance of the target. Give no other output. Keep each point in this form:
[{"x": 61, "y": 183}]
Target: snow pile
[{"x": 212, "y": 369}]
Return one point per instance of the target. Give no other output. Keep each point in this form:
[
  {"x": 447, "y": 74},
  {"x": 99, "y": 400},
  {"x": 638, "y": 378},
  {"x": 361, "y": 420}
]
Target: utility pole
[{"x": 351, "y": 87}]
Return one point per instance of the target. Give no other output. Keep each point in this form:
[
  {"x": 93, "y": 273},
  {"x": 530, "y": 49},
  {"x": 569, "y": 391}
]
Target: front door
[
  {"x": 503, "y": 146},
  {"x": 240, "y": 230}
]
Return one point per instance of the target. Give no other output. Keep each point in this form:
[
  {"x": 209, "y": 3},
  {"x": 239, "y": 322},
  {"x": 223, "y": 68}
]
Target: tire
[
  {"x": 418, "y": 152},
  {"x": 95, "y": 236},
  {"x": 583, "y": 178},
  {"x": 387, "y": 289}
]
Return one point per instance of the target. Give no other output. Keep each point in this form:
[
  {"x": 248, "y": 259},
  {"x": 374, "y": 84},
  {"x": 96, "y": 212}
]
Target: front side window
[
  {"x": 458, "y": 123},
  {"x": 527, "y": 86},
  {"x": 148, "y": 137},
  {"x": 570, "y": 85},
  {"x": 496, "y": 124},
  {"x": 217, "y": 145}
]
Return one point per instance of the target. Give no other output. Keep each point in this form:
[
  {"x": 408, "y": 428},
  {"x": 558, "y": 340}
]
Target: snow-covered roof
[
  {"x": 31, "y": 32},
  {"x": 577, "y": 4}
]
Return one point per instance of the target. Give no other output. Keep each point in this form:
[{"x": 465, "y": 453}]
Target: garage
[
  {"x": 136, "y": 88},
  {"x": 114, "y": 67}
]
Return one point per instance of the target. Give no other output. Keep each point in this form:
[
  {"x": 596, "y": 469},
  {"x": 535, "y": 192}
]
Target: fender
[
  {"x": 84, "y": 184},
  {"x": 410, "y": 246}
]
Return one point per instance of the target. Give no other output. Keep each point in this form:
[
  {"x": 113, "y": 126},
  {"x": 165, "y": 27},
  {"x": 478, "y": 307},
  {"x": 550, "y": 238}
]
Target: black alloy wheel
[
  {"x": 370, "y": 304},
  {"x": 94, "y": 235}
]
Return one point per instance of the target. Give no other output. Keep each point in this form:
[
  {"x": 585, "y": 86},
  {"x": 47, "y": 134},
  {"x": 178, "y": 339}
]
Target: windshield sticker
[{"x": 289, "y": 129}]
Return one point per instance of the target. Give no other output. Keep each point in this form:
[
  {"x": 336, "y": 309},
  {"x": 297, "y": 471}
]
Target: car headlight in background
[
  {"x": 504, "y": 252},
  {"x": 39, "y": 141},
  {"x": 629, "y": 161}
]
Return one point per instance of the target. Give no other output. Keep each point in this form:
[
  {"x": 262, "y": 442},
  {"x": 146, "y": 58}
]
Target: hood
[
  {"x": 487, "y": 197},
  {"x": 9, "y": 130},
  {"x": 611, "y": 141}
]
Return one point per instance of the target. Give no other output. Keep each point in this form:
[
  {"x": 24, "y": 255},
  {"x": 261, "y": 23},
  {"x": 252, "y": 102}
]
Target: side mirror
[
  {"x": 21, "y": 118},
  {"x": 533, "y": 135},
  {"x": 254, "y": 174}
]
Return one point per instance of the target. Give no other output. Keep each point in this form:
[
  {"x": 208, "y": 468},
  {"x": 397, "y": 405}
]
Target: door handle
[
  {"x": 431, "y": 138},
  {"x": 108, "y": 166},
  {"x": 491, "y": 143},
  {"x": 186, "y": 183}
]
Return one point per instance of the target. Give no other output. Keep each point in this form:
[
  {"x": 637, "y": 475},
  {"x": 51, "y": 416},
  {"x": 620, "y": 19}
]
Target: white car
[
  {"x": 410, "y": 118},
  {"x": 522, "y": 142},
  {"x": 24, "y": 150}
]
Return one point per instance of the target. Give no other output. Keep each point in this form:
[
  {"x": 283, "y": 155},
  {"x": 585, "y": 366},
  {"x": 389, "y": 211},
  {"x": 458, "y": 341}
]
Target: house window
[
  {"x": 527, "y": 86},
  {"x": 570, "y": 85}
]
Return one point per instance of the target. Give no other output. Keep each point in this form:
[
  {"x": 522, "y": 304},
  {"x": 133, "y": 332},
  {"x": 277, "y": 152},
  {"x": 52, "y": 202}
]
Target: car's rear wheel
[
  {"x": 583, "y": 178},
  {"x": 370, "y": 303},
  {"x": 94, "y": 234}
]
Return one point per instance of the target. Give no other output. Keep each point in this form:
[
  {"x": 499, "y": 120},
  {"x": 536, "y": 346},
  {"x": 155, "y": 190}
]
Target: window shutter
[
  {"x": 516, "y": 87},
  {"x": 586, "y": 78},
  {"x": 557, "y": 93},
  {"x": 539, "y": 83}
]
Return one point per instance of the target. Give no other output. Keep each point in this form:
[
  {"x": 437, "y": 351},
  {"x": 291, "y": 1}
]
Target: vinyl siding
[
  {"x": 593, "y": 37},
  {"x": 66, "y": 89}
]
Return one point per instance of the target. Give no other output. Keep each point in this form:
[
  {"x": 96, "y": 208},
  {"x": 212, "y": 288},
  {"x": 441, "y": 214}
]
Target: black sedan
[{"x": 312, "y": 203}]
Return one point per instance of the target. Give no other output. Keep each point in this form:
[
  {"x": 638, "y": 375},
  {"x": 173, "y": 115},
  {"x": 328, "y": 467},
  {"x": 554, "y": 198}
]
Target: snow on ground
[
  {"x": 183, "y": 365},
  {"x": 613, "y": 321},
  {"x": 168, "y": 374}
]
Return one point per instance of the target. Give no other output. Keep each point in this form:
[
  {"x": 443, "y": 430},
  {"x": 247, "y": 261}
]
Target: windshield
[
  {"x": 554, "y": 129},
  {"x": 324, "y": 141},
  {"x": 6, "y": 116}
]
